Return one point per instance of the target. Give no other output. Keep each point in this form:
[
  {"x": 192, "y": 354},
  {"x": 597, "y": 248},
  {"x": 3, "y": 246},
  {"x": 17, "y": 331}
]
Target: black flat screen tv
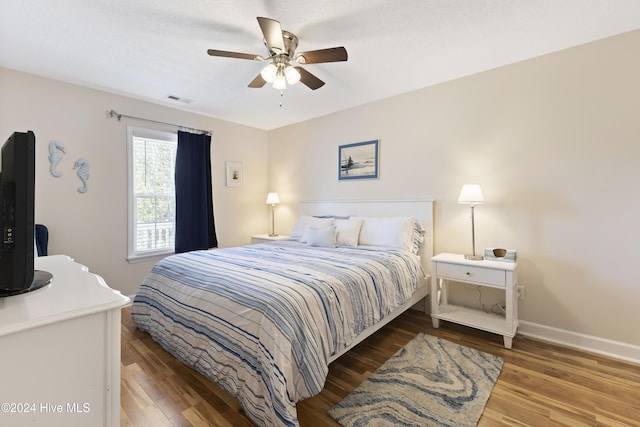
[{"x": 17, "y": 202}]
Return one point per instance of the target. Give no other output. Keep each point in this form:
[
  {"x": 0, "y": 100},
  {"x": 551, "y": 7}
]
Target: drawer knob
[{"x": 468, "y": 273}]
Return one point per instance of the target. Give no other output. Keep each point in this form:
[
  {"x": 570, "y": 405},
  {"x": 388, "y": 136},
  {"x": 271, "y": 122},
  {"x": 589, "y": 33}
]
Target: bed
[{"x": 265, "y": 321}]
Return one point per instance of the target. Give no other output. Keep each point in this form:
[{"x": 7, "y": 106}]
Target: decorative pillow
[
  {"x": 348, "y": 231},
  {"x": 304, "y": 222},
  {"x": 396, "y": 232},
  {"x": 323, "y": 236},
  {"x": 417, "y": 236}
]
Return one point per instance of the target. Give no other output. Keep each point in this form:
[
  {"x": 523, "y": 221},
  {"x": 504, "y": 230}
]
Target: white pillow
[
  {"x": 396, "y": 232},
  {"x": 348, "y": 231},
  {"x": 323, "y": 236},
  {"x": 304, "y": 222}
]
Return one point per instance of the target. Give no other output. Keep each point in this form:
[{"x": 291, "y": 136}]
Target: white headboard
[{"x": 421, "y": 209}]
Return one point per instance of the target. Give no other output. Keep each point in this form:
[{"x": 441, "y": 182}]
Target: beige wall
[
  {"x": 555, "y": 144},
  {"x": 92, "y": 227},
  {"x": 554, "y": 141}
]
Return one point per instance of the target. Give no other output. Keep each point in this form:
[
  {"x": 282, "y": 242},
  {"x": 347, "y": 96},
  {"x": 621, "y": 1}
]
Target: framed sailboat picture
[
  {"x": 234, "y": 174},
  {"x": 358, "y": 161}
]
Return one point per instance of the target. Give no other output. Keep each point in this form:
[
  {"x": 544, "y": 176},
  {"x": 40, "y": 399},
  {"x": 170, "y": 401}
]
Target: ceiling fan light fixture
[
  {"x": 269, "y": 72},
  {"x": 292, "y": 75},
  {"x": 283, "y": 68},
  {"x": 279, "y": 82}
]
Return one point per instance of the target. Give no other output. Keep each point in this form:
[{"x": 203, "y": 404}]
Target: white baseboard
[{"x": 606, "y": 347}]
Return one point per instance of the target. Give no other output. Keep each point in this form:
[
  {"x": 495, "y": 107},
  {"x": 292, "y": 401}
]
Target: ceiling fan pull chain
[{"x": 281, "y": 96}]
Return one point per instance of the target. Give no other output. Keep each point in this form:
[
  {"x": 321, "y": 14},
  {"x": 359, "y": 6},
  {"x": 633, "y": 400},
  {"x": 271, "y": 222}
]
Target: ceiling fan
[{"x": 284, "y": 61}]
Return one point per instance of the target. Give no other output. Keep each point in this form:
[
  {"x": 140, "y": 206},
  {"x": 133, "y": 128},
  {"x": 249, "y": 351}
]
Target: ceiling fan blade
[
  {"x": 333, "y": 54},
  {"x": 309, "y": 79},
  {"x": 272, "y": 34},
  {"x": 214, "y": 52},
  {"x": 258, "y": 82}
]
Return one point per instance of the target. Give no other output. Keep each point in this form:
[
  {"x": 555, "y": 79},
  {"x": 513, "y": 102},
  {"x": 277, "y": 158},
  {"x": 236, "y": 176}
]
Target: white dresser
[{"x": 60, "y": 350}]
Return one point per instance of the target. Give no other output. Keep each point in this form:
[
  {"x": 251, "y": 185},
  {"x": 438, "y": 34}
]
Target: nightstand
[
  {"x": 262, "y": 238},
  {"x": 449, "y": 268}
]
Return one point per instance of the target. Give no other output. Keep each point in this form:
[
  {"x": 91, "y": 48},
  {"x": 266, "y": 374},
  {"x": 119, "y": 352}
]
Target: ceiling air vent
[{"x": 179, "y": 99}]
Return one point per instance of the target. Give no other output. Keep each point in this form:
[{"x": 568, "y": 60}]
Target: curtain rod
[{"x": 119, "y": 116}]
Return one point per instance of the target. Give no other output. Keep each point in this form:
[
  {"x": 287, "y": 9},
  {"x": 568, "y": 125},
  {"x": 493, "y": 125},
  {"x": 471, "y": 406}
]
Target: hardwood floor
[{"x": 541, "y": 384}]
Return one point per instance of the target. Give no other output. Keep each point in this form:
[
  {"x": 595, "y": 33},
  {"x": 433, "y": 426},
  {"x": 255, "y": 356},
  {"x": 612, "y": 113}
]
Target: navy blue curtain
[{"x": 195, "y": 227}]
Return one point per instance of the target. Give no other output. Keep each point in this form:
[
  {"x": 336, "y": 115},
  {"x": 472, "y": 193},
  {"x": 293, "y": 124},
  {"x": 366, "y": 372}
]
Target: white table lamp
[
  {"x": 273, "y": 200},
  {"x": 471, "y": 194}
]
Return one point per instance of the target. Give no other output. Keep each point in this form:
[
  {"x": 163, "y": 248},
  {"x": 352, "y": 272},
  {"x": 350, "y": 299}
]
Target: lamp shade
[
  {"x": 471, "y": 194},
  {"x": 273, "y": 199},
  {"x": 279, "y": 81},
  {"x": 292, "y": 75},
  {"x": 268, "y": 73}
]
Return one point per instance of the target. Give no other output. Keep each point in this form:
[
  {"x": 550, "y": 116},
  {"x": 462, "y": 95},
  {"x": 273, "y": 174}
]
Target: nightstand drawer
[{"x": 466, "y": 273}]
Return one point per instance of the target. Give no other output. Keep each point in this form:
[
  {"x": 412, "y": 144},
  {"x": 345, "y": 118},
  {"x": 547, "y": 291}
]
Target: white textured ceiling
[{"x": 148, "y": 49}]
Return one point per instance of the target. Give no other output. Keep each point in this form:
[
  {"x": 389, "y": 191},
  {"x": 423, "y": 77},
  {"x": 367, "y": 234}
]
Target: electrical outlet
[{"x": 521, "y": 293}]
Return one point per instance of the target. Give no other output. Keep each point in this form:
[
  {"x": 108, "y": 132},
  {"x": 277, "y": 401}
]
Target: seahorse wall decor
[
  {"x": 56, "y": 150},
  {"x": 83, "y": 173}
]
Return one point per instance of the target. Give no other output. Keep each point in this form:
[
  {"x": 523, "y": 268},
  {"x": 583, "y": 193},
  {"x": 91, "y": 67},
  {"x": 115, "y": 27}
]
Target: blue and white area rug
[{"x": 428, "y": 382}]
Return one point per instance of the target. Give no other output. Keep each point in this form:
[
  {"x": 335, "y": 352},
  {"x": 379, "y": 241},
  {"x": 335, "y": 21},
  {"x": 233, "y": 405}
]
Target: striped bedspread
[{"x": 263, "y": 320}]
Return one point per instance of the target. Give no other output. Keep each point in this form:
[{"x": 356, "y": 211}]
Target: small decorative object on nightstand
[
  {"x": 499, "y": 254},
  {"x": 471, "y": 194},
  {"x": 446, "y": 268},
  {"x": 262, "y": 238}
]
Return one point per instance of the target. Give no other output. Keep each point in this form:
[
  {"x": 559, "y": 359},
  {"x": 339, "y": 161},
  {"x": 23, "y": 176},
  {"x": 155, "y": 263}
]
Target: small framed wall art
[
  {"x": 358, "y": 161},
  {"x": 234, "y": 174}
]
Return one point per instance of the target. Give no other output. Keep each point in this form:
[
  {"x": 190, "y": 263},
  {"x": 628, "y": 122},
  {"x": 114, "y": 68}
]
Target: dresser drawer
[{"x": 466, "y": 273}]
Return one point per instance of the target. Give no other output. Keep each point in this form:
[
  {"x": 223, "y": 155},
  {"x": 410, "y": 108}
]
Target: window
[{"x": 152, "y": 156}]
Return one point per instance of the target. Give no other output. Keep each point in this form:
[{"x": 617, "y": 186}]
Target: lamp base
[
  {"x": 474, "y": 257},
  {"x": 273, "y": 235}
]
